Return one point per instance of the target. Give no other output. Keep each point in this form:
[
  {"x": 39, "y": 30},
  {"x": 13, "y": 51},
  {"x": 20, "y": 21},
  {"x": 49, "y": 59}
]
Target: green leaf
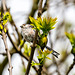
[
  {"x": 48, "y": 58},
  {"x": 6, "y": 17},
  {"x": 4, "y": 22},
  {"x": 33, "y": 64},
  {"x": 27, "y": 49},
  {"x": 71, "y": 37},
  {"x": 0, "y": 13},
  {"x": 44, "y": 24},
  {"x": 73, "y": 50},
  {"x": 43, "y": 55},
  {"x": 1, "y": 27},
  {"x": 21, "y": 42},
  {"x": 0, "y": 33},
  {"x": 5, "y": 30}
]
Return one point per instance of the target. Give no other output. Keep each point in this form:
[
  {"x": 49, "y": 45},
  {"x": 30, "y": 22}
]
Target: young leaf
[
  {"x": 21, "y": 42},
  {"x": 1, "y": 27},
  {"x": 33, "y": 64},
  {"x": 44, "y": 24},
  {"x": 71, "y": 37},
  {"x": 5, "y": 30}
]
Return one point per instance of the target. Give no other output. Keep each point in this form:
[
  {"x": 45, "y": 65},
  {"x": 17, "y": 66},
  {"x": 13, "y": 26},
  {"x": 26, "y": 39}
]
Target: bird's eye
[{"x": 21, "y": 26}]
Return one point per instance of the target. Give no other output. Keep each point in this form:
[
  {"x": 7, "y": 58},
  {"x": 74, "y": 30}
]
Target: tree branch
[
  {"x": 34, "y": 8},
  {"x": 18, "y": 50},
  {"x": 35, "y": 38},
  {"x": 3, "y": 64},
  {"x": 70, "y": 68},
  {"x": 8, "y": 53},
  {"x": 32, "y": 53},
  {"x": 4, "y": 40}
]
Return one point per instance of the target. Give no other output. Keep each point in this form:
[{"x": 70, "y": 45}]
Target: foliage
[
  {"x": 27, "y": 49},
  {"x": 42, "y": 56},
  {"x": 33, "y": 63},
  {"x": 6, "y": 17},
  {"x": 42, "y": 41},
  {"x": 0, "y": 16},
  {"x": 44, "y": 24},
  {"x": 71, "y": 37},
  {"x": 4, "y": 20},
  {"x": 21, "y": 42}
]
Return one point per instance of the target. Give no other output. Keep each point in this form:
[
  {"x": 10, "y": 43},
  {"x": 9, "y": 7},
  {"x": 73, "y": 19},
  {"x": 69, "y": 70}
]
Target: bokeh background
[{"x": 20, "y": 10}]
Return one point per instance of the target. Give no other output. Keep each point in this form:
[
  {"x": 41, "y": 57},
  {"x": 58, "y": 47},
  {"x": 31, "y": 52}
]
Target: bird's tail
[{"x": 54, "y": 52}]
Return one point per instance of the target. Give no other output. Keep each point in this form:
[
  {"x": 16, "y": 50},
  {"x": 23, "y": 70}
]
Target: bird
[{"x": 28, "y": 33}]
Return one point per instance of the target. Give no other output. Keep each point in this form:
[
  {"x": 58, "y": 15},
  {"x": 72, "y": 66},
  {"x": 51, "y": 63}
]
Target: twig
[
  {"x": 40, "y": 11},
  {"x": 3, "y": 64},
  {"x": 34, "y": 42},
  {"x": 5, "y": 43},
  {"x": 18, "y": 50},
  {"x": 40, "y": 8},
  {"x": 32, "y": 53},
  {"x": 13, "y": 23},
  {"x": 46, "y": 6},
  {"x": 39, "y": 14},
  {"x": 70, "y": 68},
  {"x": 55, "y": 55},
  {"x": 34, "y": 8},
  {"x": 11, "y": 52},
  {"x": 8, "y": 53},
  {"x": 16, "y": 29}
]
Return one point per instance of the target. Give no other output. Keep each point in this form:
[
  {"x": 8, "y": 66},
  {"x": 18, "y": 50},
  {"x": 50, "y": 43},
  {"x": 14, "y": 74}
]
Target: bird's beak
[{"x": 21, "y": 26}]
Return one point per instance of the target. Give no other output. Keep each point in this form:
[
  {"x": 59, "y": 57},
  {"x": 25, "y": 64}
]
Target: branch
[
  {"x": 46, "y": 6},
  {"x": 70, "y": 68},
  {"x": 32, "y": 53},
  {"x": 7, "y": 51},
  {"x": 12, "y": 22},
  {"x": 4, "y": 40},
  {"x": 40, "y": 8},
  {"x": 16, "y": 29},
  {"x": 40, "y": 11},
  {"x": 18, "y": 50},
  {"x": 3, "y": 64},
  {"x": 34, "y": 8},
  {"x": 35, "y": 39}
]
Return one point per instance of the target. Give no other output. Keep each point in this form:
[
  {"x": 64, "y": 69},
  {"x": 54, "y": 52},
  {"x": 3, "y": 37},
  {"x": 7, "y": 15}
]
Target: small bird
[{"x": 28, "y": 34}]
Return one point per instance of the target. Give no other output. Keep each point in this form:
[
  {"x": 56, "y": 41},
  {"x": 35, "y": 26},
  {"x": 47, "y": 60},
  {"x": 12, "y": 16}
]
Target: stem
[
  {"x": 40, "y": 10},
  {"x": 34, "y": 8},
  {"x": 40, "y": 69},
  {"x": 18, "y": 50},
  {"x": 70, "y": 68},
  {"x": 4, "y": 39},
  {"x": 32, "y": 53},
  {"x": 35, "y": 39},
  {"x": 8, "y": 53}
]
